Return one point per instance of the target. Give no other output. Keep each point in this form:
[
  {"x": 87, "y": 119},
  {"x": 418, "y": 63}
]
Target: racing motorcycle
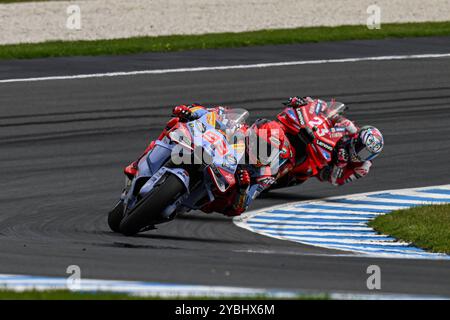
[
  {"x": 190, "y": 165},
  {"x": 314, "y": 137}
]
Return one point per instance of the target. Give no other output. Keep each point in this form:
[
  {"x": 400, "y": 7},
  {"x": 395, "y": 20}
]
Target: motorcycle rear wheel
[{"x": 148, "y": 210}]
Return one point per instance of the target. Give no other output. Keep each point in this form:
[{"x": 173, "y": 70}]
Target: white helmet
[{"x": 367, "y": 145}]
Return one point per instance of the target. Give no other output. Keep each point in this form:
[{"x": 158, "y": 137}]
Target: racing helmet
[{"x": 367, "y": 145}]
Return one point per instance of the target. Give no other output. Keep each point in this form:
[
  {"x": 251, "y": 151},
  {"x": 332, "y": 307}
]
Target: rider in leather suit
[
  {"x": 233, "y": 202},
  {"x": 353, "y": 154}
]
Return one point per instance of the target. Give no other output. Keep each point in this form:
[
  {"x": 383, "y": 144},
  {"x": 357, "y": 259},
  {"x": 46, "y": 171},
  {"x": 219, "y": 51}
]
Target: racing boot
[{"x": 132, "y": 169}]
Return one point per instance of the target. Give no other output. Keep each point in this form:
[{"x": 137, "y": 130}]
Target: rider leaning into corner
[
  {"x": 251, "y": 179},
  {"x": 352, "y": 157},
  {"x": 235, "y": 201},
  {"x": 353, "y": 154}
]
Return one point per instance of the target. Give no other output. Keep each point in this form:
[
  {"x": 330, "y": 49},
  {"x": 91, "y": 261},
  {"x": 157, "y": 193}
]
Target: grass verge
[
  {"x": 427, "y": 227},
  {"x": 220, "y": 40},
  {"x": 62, "y": 295},
  {"x": 70, "y": 295}
]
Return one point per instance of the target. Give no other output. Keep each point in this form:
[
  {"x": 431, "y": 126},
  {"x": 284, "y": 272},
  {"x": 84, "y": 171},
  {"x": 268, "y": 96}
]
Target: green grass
[
  {"x": 219, "y": 40},
  {"x": 62, "y": 295},
  {"x": 427, "y": 227},
  {"x": 70, "y": 295}
]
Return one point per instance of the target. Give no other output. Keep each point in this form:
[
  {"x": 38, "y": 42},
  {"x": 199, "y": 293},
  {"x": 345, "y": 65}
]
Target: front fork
[{"x": 124, "y": 195}]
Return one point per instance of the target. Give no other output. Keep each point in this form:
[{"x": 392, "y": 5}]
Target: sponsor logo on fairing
[
  {"x": 301, "y": 119},
  {"x": 232, "y": 159},
  {"x": 200, "y": 126},
  {"x": 291, "y": 114},
  {"x": 318, "y": 107},
  {"x": 266, "y": 180},
  {"x": 324, "y": 145},
  {"x": 338, "y": 129},
  {"x": 326, "y": 154}
]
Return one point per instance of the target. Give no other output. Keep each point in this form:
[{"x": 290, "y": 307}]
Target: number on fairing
[
  {"x": 322, "y": 132},
  {"x": 316, "y": 122},
  {"x": 217, "y": 141},
  {"x": 211, "y": 137}
]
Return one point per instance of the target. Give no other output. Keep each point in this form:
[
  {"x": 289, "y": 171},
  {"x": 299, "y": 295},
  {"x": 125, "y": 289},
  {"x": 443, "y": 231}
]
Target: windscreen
[
  {"x": 233, "y": 118},
  {"x": 334, "y": 109}
]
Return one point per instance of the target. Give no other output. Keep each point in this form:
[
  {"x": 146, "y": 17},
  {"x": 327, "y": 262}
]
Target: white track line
[
  {"x": 148, "y": 289},
  {"x": 232, "y": 67},
  {"x": 21, "y": 283}
]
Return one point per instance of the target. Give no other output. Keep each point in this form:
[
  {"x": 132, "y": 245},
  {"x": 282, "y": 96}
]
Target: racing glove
[
  {"x": 240, "y": 205},
  {"x": 243, "y": 179},
  {"x": 335, "y": 174},
  {"x": 131, "y": 170},
  {"x": 340, "y": 176},
  {"x": 342, "y": 157},
  {"x": 183, "y": 112},
  {"x": 296, "y": 102},
  {"x": 363, "y": 169},
  {"x": 348, "y": 125}
]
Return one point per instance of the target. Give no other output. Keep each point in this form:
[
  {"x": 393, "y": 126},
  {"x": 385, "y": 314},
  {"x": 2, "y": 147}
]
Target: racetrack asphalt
[{"x": 63, "y": 144}]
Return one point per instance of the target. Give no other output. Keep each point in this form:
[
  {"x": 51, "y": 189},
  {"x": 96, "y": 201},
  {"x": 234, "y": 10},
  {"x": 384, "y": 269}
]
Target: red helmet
[{"x": 267, "y": 143}]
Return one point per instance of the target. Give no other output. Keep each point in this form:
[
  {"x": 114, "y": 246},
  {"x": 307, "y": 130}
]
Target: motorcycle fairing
[
  {"x": 213, "y": 141},
  {"x": 151, "y": 167},
  {"x": 178, "y": 172}
]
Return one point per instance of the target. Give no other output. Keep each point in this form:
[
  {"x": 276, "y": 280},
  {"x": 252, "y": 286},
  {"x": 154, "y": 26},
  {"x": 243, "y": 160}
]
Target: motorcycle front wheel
[
  {"x": 148, "y": 210},
  {"x": 115, "y": 216}
]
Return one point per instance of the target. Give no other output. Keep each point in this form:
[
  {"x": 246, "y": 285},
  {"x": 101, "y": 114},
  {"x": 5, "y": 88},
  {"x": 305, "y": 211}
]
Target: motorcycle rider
[
  {"x": 184, "y": 113},
  {"x": 235, "y": 201},
  {"x": 269, "y": 156},
  {"x": 352, "y": 156},
  {"x": 355, "y": 150}
]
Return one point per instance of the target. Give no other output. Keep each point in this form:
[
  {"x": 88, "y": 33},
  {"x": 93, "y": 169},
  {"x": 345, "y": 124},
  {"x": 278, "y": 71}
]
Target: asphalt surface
[{"x": 63, "y": 145}]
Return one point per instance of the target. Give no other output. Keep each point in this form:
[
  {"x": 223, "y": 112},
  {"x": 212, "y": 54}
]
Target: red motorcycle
[{"x": 311, "y": 131}]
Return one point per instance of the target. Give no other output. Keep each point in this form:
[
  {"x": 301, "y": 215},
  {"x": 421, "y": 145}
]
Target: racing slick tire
[
  {"x": 148, "y": 210},
  {"x": 115, "y": 216}
]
